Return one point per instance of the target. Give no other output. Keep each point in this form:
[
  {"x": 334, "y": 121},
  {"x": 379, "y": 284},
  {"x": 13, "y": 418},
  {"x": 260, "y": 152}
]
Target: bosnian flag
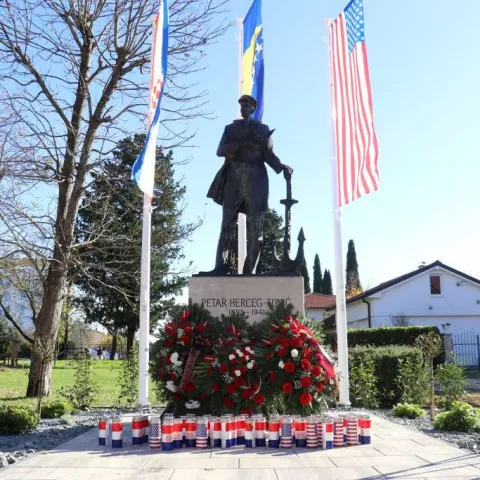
[{"x": 143, "y": 171}]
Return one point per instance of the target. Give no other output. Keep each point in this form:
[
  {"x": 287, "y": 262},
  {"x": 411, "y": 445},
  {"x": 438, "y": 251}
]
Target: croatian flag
[{"x": 143, "y": 171}]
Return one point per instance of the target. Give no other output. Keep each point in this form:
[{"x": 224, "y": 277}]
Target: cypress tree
[
  {"x": 317, "y": 275},
  {"x": 353, "y": 285},
  {"x": 306, "y": 276},
  {"x": 327, "y": 283}
]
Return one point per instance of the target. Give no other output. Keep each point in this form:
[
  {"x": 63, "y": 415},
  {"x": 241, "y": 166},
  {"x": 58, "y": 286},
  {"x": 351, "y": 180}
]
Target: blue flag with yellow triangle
[{"x": 252, "y": 61}]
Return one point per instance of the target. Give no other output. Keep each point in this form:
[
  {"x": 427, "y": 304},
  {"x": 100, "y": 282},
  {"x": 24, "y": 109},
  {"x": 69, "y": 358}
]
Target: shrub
[
  {"x": 383, "y": 336},
  {"x": 84, "y": 389},
  {"x": 128, "y": 379},
  {"x": 461, "y": 418},
  {"x": 387, "y": 362},
  {"x": 451, "y": 381},
  {"x": 408, "y": 410},
  {"x": 15, "y": 420},
  {"x": 363, "y": 382},
  {"x": 55, "y": 409},
  {"x": 412, "y": 381}
]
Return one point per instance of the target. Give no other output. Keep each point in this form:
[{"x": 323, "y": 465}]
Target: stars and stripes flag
[
  {"x": 356, "y": 149},
  {"x": 143, "y": 171}
]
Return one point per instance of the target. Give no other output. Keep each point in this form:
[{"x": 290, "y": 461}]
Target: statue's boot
[{"x": 219, "y": 271}]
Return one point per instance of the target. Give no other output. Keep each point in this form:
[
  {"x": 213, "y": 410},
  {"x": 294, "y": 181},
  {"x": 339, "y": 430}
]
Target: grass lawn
[{"x": 13, "y": 383}]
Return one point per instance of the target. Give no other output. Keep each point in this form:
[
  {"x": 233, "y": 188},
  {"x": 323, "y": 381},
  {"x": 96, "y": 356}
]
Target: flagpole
[
  {"x": 144, "y": 330},
  {"x": 341, "y": 307},
  {"x": 242, "y": 219}
]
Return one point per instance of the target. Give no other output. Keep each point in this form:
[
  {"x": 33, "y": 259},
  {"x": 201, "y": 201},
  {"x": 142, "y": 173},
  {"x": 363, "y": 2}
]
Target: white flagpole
[
  {"x": 341, "y": 310},
  {"x": 242, "y": 219},
  {"x": 144, "y": 331}
]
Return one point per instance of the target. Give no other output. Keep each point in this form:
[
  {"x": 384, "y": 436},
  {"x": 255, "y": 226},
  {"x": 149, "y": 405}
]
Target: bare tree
[
  {"x": 399, "y": 320},
  {"x": 72, "y": 81}
]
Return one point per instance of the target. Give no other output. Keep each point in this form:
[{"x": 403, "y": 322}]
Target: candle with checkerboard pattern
[
  {"x": 241, "y": 430},
  {"x": 300, "y": 432},
  {"x": 191, "y": 430},
  {"x": 249, "y": 433},
  {"x": 365, "y": 424},
  {"x": 137, "y": 430},
  {"x": 274, "y": 431},
  {"x": 327, "y": 433},
  {"x": 260, "y": 430},
  {"x": 167, "y": 433},
  {"x": 116, "y": 427}
]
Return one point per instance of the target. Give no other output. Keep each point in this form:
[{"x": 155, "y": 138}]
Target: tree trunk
[
  {"x": 47, "y": 326},
  {"x": 113, "y": 350},
  {"x": 65, "y": 341},
  {"x": 130, "y": 340},
  {"x": 38, "y": 380}
]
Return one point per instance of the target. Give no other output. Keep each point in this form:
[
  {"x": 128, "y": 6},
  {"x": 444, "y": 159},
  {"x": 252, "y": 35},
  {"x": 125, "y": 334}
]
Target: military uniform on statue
[{"x": 241, "y": 185}]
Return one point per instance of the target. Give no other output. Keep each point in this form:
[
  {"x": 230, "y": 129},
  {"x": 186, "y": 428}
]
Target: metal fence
[{"x": 466, "y": 348}]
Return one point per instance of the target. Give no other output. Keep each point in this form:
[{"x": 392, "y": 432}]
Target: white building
[
  {"x": 316, "y": 305},
  {"x": 434, "y": 294}
]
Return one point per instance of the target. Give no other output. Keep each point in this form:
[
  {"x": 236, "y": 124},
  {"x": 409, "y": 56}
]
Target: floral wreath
[
  {"x": 295, "y": 367},
  {"x": 182, "y": 342}
]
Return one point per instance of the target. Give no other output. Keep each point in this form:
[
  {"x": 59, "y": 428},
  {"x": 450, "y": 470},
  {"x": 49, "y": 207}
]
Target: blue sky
[{"x": 424, "y": 62}]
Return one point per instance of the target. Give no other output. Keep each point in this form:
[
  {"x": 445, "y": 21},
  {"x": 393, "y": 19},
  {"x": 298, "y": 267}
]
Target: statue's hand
[{"x": 287, "y": 171}]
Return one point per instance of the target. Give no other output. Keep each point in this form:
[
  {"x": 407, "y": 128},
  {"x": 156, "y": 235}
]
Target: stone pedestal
[{"x": 233, "y": 294}]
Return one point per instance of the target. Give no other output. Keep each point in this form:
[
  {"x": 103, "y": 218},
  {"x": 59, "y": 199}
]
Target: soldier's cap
[{"x": 248, "y": 99}]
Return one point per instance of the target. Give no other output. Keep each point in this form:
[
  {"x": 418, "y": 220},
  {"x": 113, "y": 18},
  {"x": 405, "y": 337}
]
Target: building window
[{"x": 435, "y": 285}]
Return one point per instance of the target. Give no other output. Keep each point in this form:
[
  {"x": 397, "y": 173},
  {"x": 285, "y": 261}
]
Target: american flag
[{"x": 356, "y": 148}]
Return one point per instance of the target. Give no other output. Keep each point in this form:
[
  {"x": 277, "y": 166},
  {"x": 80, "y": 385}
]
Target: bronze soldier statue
[{"x": 241, "y": 185}]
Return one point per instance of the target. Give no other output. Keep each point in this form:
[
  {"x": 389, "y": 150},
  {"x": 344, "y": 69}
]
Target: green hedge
[
  {"x": 383, "y": 336},
  {"x": 386, "y": 360},
  {"x": 15, "y": 420}
]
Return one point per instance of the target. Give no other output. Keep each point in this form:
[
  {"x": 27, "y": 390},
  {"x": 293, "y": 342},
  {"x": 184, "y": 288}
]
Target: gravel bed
[
  {"x": 469, "y": 441},
  {"x": 52, "y": 432}
]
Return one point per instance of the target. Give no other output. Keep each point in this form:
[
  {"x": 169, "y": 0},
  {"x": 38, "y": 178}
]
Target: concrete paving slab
[
  {"x": 396, "y": 452},
  {"x": 365, "y": 473}
]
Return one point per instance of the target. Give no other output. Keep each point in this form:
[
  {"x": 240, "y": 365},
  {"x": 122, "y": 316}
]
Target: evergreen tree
[
  {"x": 306, "y": 276},
  {"x": 109, "y": 225},
  {"x": 353, "y": 285},
  {"x": 317, "y": 275},
  {"x": 272, "y": 227},
  {"x": 327, "y": 283}
]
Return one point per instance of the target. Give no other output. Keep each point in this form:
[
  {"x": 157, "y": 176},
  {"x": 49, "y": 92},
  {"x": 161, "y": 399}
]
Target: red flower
[
  {"x": 201, "y": 396},
  {"x": 246, "y": 394},
  {"x": 306, "y": 352},
  {"x": 223, "y": 369},
  {"x": 216, "y": 387},
  {"x": 287, "y": 387},
  {"x": 188, "y": 330},
  {"x": 184, "y": 315},
  {"x": 228, "y": 402},
  {"x": 185, "y": 339},
  {"x": 240, "y": 382},
  {"x": 233, "y": 361},
  {"x": 259, "y": 399},
  {"x": 246, "y": 411},
  {"x": 290, "y": 367},
  {"x": 272, "y": 376},
  {"x": 169, "y": 343},
  {"x": 296, "y": 342},
  {"x": 231, "y": 388},
  {"x": 305, "y": 382},
  {"x": 305, "y": 399},
  {"x": 316, "y": 371},
  {"x": 320, "y": 387},
  {"x": 173, "y": 376},
  {"x": 283, "y": 351},
  {"x": 305, "y": 364},
  {"x": 190, "y": 387},
  {"x": 170, "y": 329},
  {"x": 269, "y": 355},
  {"x": 178, "y": 397},
  {"x": 200, "y": 328}
]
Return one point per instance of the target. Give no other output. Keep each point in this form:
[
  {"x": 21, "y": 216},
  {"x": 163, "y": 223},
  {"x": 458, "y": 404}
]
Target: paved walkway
[{"x": 396, "y": 452}]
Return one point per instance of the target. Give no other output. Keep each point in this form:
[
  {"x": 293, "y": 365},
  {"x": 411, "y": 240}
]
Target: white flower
[
  {"x": 248, "y": 349},
  {"x": 239, "y": 353},
  {"x": 174, "y": 359},
  {"x": 238, "y": 373},
  {"x": 250, "y": 365},
  {"x": 247, "y": 358},
  {"x": 192, "y": 404},
  {"x": 294, "y": 353},
  {"x": 231, "y": 356},
  {"x": 171, "y": 386},
  {"x": 281, "y": 364}
]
